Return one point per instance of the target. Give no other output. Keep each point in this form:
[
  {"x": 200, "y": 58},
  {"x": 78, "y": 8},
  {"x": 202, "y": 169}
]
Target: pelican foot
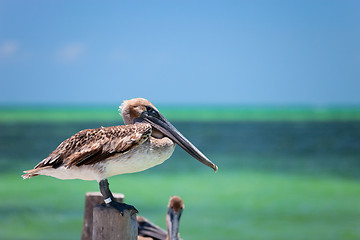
[{"x": 122, "y": 206}]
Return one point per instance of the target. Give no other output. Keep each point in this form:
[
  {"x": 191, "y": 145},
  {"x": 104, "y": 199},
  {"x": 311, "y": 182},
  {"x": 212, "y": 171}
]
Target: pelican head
[
  {"x": 141, "y": 110},
  {"x": 175, "y": 209}
]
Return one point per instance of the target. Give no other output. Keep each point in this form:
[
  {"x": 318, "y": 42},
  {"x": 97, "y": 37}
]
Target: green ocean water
[
  {"x": 182, "y": 113},
  {"x": 282, "y": 177}
]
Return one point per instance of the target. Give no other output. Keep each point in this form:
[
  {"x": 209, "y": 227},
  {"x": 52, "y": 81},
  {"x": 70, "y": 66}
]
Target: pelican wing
[
  {"x": 149, "y": 229},
  {"x": 90, "y": 146}
]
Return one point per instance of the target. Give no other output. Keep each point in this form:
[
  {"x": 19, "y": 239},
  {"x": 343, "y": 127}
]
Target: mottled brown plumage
[
  {"x": 90, "y": 146},
  {"x": 93, "y": 145}
]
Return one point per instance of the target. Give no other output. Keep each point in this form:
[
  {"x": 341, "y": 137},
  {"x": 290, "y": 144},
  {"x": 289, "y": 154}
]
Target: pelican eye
[{"x": 152, "y": 111}]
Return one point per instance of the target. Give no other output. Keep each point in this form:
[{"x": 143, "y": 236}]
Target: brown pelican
[
  {"x": 148, "y": 230},
  {"x": 146, "y": 140}
]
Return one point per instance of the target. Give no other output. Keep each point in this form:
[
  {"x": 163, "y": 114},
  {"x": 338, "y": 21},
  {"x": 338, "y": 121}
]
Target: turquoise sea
[
  {"x": 302, "y": 147},
  {"x": 277, "y": 179}
]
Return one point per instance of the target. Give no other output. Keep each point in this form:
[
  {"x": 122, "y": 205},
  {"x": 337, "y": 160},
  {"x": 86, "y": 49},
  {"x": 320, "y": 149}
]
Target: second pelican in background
[{"x": 148, "y": 230}]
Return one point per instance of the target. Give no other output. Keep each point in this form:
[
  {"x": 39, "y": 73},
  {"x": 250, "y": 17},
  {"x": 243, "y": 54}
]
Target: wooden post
[
  {"x": 109, "y": 224},
  {"x": 91, "y": 200}
]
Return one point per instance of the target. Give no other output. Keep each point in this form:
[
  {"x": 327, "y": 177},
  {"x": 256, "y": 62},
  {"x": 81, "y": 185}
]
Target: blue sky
[{"x": 236, "y": 52}]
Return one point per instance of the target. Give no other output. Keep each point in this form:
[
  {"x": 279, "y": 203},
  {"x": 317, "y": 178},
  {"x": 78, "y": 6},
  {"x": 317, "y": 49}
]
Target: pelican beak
[
  {"x": 173, "y": 220},
  {"x": 159, "y": 122}
]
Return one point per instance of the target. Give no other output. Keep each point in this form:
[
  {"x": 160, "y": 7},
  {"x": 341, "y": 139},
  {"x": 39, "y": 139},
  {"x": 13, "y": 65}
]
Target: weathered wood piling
[{"x": 102, "y": 222}]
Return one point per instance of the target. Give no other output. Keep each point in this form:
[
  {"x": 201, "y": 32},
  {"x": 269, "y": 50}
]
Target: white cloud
[
  {"x": 8, "y": 49},
  {"x": 71, "y": 52}
]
